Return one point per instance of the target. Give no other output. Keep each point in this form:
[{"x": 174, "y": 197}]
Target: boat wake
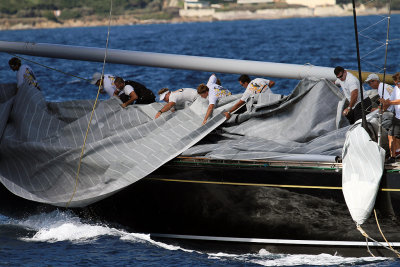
[
  {"x": 58, "y": 226},
  {"x": 265, "y": 258}
]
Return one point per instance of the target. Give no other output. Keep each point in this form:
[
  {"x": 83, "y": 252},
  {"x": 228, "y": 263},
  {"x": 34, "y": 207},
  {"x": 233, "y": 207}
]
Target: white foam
[
  {"x": 65, "y": 226},
  {"x": 265, "y": 258}
]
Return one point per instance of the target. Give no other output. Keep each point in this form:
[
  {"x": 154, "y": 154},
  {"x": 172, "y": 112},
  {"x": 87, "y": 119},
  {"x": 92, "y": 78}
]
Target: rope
[
  {"x": 50, "y": 68},
  {"x": 387, "y": 242},
  {"x": 379, "y": 243},
  {"x": 94, "y": 106}
]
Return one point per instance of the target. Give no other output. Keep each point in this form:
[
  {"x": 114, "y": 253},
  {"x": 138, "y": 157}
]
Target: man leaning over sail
[
  {"x": 107, "y": 83},
  {"x": 253, "y": 87},
  {"x": 131, "y": 91},
  {"x": 351, "y": 89},
  {"x": 213, "y": 91},
  {"x": 394, "y": 132},
  {"x": 176, "y": 99},
  {"x": 24, "y": 73}
]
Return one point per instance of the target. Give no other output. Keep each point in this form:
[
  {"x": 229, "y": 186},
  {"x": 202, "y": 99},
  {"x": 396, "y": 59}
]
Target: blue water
[{"x": 62, "y": 239}]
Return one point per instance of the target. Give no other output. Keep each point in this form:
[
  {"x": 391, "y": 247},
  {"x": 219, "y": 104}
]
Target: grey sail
[{"x": 41, "y": 142}]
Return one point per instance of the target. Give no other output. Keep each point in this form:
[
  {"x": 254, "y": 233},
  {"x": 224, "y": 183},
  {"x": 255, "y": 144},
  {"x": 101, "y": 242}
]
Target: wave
[
  {"x": 265, "y": 258},
  {"x": 58, "y": 226}
]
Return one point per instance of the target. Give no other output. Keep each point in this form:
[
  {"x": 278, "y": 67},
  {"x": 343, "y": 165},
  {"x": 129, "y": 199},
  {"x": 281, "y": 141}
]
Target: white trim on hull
[{"x": 275, "y": 241}]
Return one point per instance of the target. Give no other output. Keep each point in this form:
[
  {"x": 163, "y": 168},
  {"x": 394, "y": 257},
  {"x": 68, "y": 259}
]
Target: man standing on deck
[
  {"x": 24, "y": 73},
  {"x": 253, "y": 87},
  {"x": 107, "y": 83},
  {"x": 351, "y": 89},
  {"x": 131, "y": 91},
  {"x": 394, "y": 133}
]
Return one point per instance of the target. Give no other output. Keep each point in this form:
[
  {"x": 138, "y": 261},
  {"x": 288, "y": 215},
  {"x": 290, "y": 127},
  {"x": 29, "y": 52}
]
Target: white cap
[
  {"x": 162, "y": 96},
  {"x": 95, "y": 78},
  {"x": 372, "y": 77}
]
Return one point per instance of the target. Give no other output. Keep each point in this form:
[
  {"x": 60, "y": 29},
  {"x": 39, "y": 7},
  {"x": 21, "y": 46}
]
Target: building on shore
[
  {"x": 254, "y": 1},
  {"x": 312, "y": 3}
]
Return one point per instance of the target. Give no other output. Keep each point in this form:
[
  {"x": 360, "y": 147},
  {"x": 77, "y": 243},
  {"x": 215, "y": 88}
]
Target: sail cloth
[
  {"x": 363, "y": 165},
  {"x": 41, "y": 142},
  {"x": 41, "y": 145},
  {"x": 301, "y": 126}
]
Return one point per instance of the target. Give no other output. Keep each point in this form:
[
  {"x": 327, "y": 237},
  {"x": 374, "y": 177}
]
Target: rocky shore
[{"x": 192, "y": 16}]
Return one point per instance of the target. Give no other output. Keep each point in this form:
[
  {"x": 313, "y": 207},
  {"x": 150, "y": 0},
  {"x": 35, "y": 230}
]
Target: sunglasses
[{"x": 340, "y": 76}]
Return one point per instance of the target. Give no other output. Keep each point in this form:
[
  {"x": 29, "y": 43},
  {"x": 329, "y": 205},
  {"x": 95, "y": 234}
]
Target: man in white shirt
[
  {"x": 176, "y": 100},
  {"x": 24, "y": 73},
  {"x": 374, "y": 82},
  {"x": 107, "y": 83},
  {"x": 213, "y": 91},
  {"x": 351, "y": 89},
  {"x": 394, "y": 132},
  {"x": 253, "y": 87}
]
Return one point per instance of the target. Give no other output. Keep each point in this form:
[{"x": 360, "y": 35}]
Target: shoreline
[{"x": 266, "y": 14}]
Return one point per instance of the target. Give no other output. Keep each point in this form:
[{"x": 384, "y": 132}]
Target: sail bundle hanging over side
[{"x": 363, "y": 165}]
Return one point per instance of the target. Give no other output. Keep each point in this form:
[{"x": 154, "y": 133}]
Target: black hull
[
  {"x": 245, "y": 206},
  {"x": 257, "y": 203}
]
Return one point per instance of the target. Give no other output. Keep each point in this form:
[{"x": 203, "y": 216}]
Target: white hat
[
  {"x": 95, "y": 78},
  {"x": 162, "y": 96},
  {"x": 372, "y": 77}
]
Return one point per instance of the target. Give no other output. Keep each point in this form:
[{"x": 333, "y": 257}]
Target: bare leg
[{"x": 392, "y": 145}]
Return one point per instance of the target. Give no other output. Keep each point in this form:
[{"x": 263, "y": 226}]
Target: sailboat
[{"x": 234, "y": 188}]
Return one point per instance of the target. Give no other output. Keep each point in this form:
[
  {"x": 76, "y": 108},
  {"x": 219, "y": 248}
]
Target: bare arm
[
  {"x": 132, "y": 97},
  {"x": 208, "y": 114},
  {"x": 353, "y": 100},
  {"x": 235, "y": 107},
  {"x": 271, "y": 83},
  {"x": 387, "y": 102},
  {"x": 165, "y": 108}
]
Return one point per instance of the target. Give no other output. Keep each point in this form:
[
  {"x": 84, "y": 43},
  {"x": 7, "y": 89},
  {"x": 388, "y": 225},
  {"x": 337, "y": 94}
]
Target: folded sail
[{"x": 363, "y": 165}]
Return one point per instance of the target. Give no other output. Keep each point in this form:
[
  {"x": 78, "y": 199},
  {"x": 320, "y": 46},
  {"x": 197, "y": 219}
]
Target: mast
[
  {"x": 384, "y": 76},
  {"x": 364, "y": 120}
]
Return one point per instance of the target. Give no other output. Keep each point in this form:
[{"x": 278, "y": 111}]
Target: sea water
[{"x": 60, "y": 238}]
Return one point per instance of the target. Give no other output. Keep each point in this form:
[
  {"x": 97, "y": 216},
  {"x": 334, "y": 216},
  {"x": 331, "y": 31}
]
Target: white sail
[{"x": 363, "y": 165}]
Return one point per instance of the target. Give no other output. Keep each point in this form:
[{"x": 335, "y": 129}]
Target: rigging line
[
  {"x": 50, "y": 68},
  {"x": 367, "y": 37},
  {"x": 379, "y": 68},
  {"x": 373, "y": 50},
  {"x": 387, "y": 242},
  {"x": 94, "y": 106},
  {"x": 370, "y": 238},
  {"x": 384, "y": 18}
]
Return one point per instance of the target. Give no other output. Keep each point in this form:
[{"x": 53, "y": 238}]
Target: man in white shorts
[{"x": 175, "y": 100}]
